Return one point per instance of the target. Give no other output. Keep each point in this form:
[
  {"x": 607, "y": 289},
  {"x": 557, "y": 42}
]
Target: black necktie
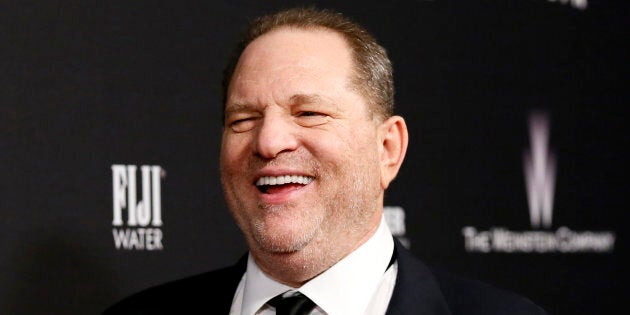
[{"x": 297, "y": 304}]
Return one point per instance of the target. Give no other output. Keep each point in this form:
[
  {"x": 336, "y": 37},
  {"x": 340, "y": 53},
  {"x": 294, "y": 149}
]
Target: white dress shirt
[{"x": 359, "y": 284}]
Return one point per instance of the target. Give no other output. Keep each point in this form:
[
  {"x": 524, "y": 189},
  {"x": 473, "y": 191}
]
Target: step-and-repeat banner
[{"x": 110, "y": 123}]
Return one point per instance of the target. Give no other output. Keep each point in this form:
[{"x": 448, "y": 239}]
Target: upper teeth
[{"x": 284, "y": 179}]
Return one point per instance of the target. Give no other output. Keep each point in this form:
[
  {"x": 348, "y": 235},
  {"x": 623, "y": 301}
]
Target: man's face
[{"x": 300, "y": 154}]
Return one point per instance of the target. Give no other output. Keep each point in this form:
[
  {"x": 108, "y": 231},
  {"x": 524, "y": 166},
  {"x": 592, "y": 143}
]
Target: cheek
[
  {"x": 361, "y": 144},
  {"x": 233, "y": 150},
  {"x": 346, "y": 154},
  {"x": 340, "y": 137}
]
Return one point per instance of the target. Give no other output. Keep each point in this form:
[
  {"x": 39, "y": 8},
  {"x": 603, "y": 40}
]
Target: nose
[{"x": 275, "y": 135}]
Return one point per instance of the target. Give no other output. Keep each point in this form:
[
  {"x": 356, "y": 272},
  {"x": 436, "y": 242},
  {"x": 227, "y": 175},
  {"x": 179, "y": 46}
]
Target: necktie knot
[{"x": 297, "y": 304}]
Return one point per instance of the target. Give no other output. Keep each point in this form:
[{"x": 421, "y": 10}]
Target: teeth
[{"x": 283, "y": 179}]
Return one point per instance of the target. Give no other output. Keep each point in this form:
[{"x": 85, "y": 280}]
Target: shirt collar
[{"x": 345, "y": 288}]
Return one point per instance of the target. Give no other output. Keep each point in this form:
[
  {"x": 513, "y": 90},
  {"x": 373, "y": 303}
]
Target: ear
[{"x": 393, "y": 140}]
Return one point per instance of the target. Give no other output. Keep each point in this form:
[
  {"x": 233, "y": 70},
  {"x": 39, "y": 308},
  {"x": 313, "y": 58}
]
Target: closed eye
[
  {"x": 243, "y": 124},
  {"x": 311, "y": 118}
]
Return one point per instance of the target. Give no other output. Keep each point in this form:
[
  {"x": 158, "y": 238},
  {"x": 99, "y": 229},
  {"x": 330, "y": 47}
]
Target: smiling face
[{"x": 300, "y": 151}]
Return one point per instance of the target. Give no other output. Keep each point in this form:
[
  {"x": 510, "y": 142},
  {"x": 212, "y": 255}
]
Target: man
[{"x": 310, "y": 144}]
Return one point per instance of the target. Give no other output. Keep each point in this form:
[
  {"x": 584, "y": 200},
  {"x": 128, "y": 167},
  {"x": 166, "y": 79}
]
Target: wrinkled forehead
[
  {"x": 297, "y": 46},
  {"x": 295, "y": 58}
]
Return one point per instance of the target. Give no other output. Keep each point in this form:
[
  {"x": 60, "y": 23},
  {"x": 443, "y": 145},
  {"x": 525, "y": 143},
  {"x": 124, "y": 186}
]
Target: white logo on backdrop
[
  {"x": 395, "y": 219},
  {"x": 578, "y": 4},
  {"x": 139, "y": 229},
  {"x": 540, "y": 172},
  {"x": 540, "y": 177}
]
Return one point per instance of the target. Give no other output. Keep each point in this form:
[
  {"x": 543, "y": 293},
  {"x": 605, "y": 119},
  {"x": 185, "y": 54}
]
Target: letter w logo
[{"x": 540, "y": 172}]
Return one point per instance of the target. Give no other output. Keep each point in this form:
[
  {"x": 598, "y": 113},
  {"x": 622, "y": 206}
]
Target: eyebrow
[
  {"x": 237, "y": 107},
  {"x": 309, "y": 99},
  {"x": 295, "y": 99}
]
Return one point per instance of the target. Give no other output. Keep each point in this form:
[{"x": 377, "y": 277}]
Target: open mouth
[{"x": 282, "y": 183}]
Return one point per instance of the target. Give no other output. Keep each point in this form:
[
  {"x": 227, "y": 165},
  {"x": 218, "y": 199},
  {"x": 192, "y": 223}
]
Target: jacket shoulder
[
  {"x": 429, "y": 289},
  {"x": 207, "y": 292},
  {"x": 471, "y": 296}
]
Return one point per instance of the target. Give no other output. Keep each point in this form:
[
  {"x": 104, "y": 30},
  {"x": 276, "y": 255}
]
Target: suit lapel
[{"x": 416, "y": 290}]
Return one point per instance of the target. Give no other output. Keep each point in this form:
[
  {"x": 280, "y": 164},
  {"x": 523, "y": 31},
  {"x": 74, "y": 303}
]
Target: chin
[{"x": 287, "y": 242}]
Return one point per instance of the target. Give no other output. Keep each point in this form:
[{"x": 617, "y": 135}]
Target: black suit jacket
[{"x": 418, "y": 290}]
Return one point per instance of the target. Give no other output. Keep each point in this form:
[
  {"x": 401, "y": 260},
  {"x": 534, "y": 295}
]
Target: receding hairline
[
  {"x": 313, "y": 29},
  {"x": 307, "y": 28},
  {"x": 371, "y": 68}
]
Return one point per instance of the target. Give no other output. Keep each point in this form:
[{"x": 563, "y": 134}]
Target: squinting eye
[
  {"x": 242, "y": 125},
  {"x": 311, "y": 119}
]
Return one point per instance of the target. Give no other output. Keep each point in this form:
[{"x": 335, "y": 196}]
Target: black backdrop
[{"x": 86, "y": 85}]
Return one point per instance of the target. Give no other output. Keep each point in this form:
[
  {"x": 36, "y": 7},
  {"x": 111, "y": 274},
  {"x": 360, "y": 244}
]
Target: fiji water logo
[{"x": 136, "y": 222}]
